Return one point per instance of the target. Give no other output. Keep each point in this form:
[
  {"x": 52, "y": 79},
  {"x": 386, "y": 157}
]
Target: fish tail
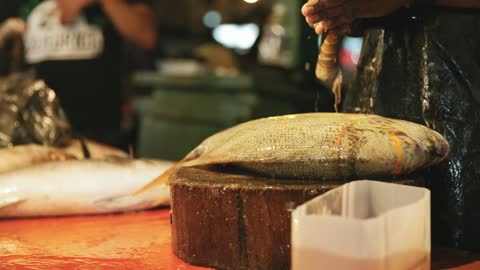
[
  {"x": 8, "y": 201},
  {"x": 140, "y": 197},
  {"x": 161, "y": 180},
  {"x": 153, "y": 194},
  {"x": 327, "y": 69}
]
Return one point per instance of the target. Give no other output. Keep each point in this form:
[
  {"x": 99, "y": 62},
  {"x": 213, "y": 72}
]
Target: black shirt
[{"x": 82, "y": 66}]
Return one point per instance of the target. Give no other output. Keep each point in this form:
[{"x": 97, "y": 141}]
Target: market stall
[{"x": 255, "y": 134}]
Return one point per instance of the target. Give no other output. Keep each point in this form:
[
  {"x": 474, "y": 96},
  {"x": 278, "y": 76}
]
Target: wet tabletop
[{"x": 125, "y": 241}]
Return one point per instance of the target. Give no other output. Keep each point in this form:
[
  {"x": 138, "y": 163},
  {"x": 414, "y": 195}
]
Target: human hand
[{"x": 338, "y": 15}]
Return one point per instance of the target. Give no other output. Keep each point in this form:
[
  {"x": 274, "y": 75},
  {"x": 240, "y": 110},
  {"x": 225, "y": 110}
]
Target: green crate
[
  {"x": 212, "y": 107},
  {"x": 171, "y": 139}
]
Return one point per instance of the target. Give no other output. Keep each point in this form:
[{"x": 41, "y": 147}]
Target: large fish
[
  {"x": 75, "y": 187},
  {"x": 321, "y": 146},
  {"x": 20, "y": 156},
  {"x": 95, "y": 150},
  {"x": 26, "y": 155}
]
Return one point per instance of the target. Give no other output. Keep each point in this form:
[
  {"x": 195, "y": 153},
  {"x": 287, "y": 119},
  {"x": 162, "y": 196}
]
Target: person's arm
[
  {"x": 135, "y": 22},
  {"x": 70, "y": 9},
  {"x": 337, "y": 15}
]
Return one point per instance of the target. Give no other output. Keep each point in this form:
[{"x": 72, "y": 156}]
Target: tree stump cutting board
[{"x": 233, "y": 220}]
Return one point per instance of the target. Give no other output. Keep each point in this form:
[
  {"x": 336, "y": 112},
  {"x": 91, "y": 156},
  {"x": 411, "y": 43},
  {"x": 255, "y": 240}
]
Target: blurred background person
[
  {"x": 76, "y": 47},
  {"x": 11, "y": 53}
]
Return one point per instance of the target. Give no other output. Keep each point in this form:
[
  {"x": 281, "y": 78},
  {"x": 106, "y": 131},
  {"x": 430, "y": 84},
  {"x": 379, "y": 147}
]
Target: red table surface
[{"x": 126, "y": 241}]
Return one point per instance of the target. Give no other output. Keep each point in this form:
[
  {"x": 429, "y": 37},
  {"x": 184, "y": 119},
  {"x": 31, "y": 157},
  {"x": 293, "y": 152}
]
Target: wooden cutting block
[{"x": 233, "y": 220}]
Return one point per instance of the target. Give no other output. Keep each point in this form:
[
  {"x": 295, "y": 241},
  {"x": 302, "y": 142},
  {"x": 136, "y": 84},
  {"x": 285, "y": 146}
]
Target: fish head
[{"x": 437, "y": 148}]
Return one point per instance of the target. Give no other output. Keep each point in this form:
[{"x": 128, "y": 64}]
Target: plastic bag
[
  {"x": 421, "y": 70},
  {"x": 363, "y": 225},
  {"x": 31, "y": 112}
]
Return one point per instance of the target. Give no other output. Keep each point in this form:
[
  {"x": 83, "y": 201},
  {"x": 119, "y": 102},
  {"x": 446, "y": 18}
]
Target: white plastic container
[{"x": 363, "y": 225}]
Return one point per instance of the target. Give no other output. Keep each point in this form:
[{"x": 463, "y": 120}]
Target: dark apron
[{"x": 426, "y": 68}]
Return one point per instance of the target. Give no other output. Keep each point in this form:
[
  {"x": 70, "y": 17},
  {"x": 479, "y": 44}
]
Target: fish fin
[
  {"x": 84, "y": 146},
  {"x": 120, "y": 202},
  {"x": 160, "y": 196},
  {"x": 10, "y": 201},
  {"x": 141, "y": 199},
  {"x": 161, "y": 180}
]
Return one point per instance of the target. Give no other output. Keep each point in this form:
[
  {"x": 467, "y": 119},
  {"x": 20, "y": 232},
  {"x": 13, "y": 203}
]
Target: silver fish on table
[
  {"x": 20, "y": 156},
  {"x": 78, "y": 187},
  {"x": 95, "y": 149}
]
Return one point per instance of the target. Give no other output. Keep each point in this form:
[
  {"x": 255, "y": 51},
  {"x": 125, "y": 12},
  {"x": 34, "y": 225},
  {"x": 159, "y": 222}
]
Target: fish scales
[{"x": 324, "y": 146}]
